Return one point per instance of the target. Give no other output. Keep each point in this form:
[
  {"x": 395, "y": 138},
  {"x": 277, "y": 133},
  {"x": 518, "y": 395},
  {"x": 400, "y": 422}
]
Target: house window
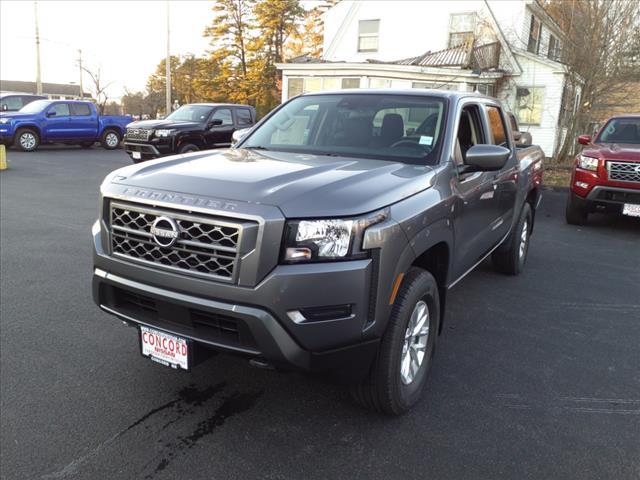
[
  {"x": 529, "y": 102},
  {"x": 380, "y": 83},
  {"x": 554, "y": 48},
  {"x": 461, "y": 29},
  {"x": 534, "y": 35},
  {"x": 350, "y": 83},
  {"x": 368, "y": 35},
  {"x": 295, "y": 87}
]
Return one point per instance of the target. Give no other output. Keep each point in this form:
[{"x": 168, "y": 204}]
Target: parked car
[
  {"x": 12, "y": 102},
  {"x": 606, "y": 174},
  {"x": 61, "y": 121},
  {"x": 193, "y": 127},
  {"x": 327, "y": 240}
]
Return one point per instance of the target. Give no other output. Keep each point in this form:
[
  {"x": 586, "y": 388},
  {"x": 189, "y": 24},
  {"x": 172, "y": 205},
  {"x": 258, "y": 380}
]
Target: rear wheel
[
  {"x": 576, "y": 212},
  {"x": 110, "y": 139},
  {"x": 510, "y": 257},
  {"x": 27, "y": 140},
  {"x": 399, "y": 373}
]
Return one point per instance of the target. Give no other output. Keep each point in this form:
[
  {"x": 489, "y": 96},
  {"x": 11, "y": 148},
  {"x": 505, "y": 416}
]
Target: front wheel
[
  {"x": 188, "y": 147},
  {"x": 110, "y": 139},
  {"x": 399, "y": 373},
  {"x": 27, "y": 140},
  {"x": 511, "y": 256}
]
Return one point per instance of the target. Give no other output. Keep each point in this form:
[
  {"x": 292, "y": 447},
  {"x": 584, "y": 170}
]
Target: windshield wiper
[{"x": 256, "y": 147}]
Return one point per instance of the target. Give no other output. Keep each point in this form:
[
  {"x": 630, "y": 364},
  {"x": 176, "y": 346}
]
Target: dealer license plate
[
  {"x": 164, "y": 348},
  {"x": 136, "y": 155},
  {"x": 631, "y": 209}
]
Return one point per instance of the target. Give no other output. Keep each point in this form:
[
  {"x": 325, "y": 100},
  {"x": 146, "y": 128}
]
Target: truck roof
[{"x": 423, "y": 92}]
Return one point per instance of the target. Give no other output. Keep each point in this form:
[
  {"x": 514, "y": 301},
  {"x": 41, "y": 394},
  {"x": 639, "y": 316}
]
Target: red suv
[{"x": 606, "y": 174}]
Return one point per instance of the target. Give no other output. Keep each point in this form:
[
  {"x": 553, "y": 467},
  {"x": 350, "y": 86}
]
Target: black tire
[
  {"x": 29, "y": 143},
  {"x": 384, "y": 389},
  {"x": 511, "y": 256},
  {"x": 188, "y": 147},
  {"x": 576, "y": 212},
  {"x": 107, "y": 141},
  {"x": 86, "y": 144}
]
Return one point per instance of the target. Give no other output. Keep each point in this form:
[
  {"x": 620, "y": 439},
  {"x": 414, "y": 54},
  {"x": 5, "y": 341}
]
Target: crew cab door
[
  {"x": 505, "y": 180},
  {"x": 220, "y": 128},
  {"x": 56, "y": 123},
  {"x": 476, "y": 212},
  {"x": 83, "y": 122}
]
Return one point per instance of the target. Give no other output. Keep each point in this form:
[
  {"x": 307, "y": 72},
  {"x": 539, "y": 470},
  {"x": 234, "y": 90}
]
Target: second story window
[
  {"x": 535, "y": 29},
  {"x": 462, "y": 27},
  {"x": 368, "y": 35},
  {"x": 554, "y": 48}
]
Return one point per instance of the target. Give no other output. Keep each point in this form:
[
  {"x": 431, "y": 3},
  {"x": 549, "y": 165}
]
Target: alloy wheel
[{"x": 415, "y": 342}]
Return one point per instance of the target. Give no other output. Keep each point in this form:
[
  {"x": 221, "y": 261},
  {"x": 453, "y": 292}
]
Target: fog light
[{"x": 582, "y": 185}]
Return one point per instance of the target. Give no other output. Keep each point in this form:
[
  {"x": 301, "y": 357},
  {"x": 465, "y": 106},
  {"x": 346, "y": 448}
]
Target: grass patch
[{"x": 557, "y": 177}]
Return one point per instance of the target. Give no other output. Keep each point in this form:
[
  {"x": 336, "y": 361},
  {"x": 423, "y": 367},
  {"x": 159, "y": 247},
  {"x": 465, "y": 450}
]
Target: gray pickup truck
[{"x": 325, "y": 241}]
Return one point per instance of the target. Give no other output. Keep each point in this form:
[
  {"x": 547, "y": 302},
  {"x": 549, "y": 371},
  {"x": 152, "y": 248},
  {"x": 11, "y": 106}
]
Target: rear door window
[
  {"x": 80, "y": 109},
  {"x": 243, "y": 115},
  {"x": 61, "y": 109}
]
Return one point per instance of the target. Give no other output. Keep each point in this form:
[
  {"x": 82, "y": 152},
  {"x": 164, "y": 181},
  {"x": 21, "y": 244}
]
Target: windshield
[
  {"x": 400, "y": 128},
  {"x": 191, "y": 113},
  {"x": 620, "y": 130},
  {"x": 35, "y": 107}
]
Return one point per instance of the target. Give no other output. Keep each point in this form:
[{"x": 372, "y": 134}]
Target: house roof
[{"x": 47, "y": 88}]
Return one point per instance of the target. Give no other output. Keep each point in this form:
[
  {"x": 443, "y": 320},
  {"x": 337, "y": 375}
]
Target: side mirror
[
  {"x": 517, "y": 136},
  {"x": 215, "y": 123},
  {"x": 239, "y": 135},
  {"x": 5, "y": 107},
  {"x": 51, "y": 113},
  {"x": 485, "y": 158},
  {"x": 410, "y": 131},
  {"x": 584, "y": 139}
]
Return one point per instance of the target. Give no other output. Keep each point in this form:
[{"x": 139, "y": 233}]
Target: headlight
[
  {"x": 4, "y": 120},
  {"x": 587, "y": 163},
  {"x": 163, "y": 133},
  {"x": 326, "y": 240}
]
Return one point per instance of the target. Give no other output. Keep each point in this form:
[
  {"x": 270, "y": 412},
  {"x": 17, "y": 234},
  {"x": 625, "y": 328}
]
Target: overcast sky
[{"x": 126, "y": 38}]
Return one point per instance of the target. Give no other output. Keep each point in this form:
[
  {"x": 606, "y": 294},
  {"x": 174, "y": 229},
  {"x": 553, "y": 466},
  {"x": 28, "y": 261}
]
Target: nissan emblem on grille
[
  {"x": 184, "y": 242},
  {"x": 165, "y": 231}
]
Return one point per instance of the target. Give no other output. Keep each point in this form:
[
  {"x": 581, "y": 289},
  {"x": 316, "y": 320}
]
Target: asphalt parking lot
[{"x": 535, "y": 377}]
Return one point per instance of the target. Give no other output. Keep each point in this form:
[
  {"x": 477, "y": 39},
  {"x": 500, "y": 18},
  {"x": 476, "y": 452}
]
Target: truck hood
[
  {"x": 154, "y": 124},
  {"x": 614, "y": 151},
  {"x": 300, "y": 185},
  {"x": 16, "y": 115}
]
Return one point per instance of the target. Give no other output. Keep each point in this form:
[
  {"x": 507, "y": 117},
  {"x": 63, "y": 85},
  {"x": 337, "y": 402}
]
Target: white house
[{"x": 505, "y": 48}]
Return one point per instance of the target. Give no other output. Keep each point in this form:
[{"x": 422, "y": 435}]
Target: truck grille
[
  {"x": 138, "y": 134},
  {"x": 624, "y": 171},
  {"x": 205, "y": 246}
]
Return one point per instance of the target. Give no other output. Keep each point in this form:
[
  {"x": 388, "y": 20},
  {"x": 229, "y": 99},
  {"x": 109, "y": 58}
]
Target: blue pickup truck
[{"x": 61, "y": 121}]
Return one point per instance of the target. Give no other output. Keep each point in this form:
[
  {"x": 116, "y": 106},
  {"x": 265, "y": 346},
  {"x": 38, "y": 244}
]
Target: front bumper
[
  {"x": 611, "y": 199},
  {"x": 261, "y": 321}
]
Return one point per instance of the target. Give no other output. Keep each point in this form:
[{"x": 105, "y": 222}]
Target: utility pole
[
  {"x": 168, "y": 68},
  {"x": 80, "y": 65},
  {"x": 38, "y": 79}
]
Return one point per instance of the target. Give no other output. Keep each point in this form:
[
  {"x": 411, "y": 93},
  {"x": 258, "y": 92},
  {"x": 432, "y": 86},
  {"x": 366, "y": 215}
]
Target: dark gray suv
[{"x": 325, "y": 241}]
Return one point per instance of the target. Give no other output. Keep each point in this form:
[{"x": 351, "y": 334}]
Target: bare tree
[
  {"x": 99, "y": 88},
  {"x": 601, "y": 54}
]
